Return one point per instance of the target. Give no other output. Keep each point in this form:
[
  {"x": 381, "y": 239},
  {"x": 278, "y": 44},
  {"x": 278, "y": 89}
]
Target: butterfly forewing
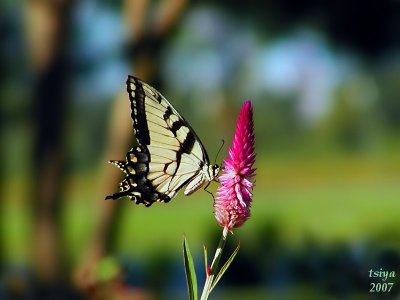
[{"x": 169, "y": 155}]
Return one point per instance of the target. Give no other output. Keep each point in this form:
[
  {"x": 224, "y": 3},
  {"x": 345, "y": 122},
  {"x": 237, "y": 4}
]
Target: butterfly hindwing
[
  {"x": 136, "y": 185},
  {"x": 169, "y": 155}
]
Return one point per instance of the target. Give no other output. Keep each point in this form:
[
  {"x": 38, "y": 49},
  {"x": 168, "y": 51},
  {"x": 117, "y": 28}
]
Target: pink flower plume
[{"x": 233, "y": 198}]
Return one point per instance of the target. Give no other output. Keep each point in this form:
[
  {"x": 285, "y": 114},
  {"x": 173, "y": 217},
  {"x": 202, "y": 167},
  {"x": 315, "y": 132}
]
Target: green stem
[{"x": 214, "y": 265}]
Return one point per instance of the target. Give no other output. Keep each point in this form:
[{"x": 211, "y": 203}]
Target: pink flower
[{"x": 233, "y": 198}]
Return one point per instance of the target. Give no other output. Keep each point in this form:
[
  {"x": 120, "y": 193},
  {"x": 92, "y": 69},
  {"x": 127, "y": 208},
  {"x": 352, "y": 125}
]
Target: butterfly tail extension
[
  {"x": 117, "y": 195},
  {"x": 136, "y": 185}
]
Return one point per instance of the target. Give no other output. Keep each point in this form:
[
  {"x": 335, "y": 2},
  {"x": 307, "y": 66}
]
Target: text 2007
[{"x": 380, "y": 287}]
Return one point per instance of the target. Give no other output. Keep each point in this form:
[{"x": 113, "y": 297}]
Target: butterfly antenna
[{"x": 220, "y": 148}]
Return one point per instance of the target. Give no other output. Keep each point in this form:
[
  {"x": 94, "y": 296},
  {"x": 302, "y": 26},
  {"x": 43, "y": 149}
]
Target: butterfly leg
[{"x": 205, "y": 188}]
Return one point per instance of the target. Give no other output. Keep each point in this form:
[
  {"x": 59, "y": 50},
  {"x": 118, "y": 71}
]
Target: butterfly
[{"x": 169, "y": 154}]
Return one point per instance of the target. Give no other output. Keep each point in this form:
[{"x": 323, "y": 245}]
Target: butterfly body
[{"x": 169, "y": 155}]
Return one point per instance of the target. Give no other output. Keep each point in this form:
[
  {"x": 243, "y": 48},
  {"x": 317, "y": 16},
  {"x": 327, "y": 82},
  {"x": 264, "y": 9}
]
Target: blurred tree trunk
[{"x": 47, "y": 24}]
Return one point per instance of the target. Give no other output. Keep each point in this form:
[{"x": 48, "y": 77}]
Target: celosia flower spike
[{"x": 233, "y": 198}]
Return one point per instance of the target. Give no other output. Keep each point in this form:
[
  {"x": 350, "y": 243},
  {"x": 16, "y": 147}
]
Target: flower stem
[{"x": 214, "y": 265}]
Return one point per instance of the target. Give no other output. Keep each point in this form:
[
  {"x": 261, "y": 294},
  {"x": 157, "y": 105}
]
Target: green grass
[{"x": 344, "y": 198}]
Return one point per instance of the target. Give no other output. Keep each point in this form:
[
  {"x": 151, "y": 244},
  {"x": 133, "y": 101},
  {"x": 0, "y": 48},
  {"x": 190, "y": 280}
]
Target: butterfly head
[{"x": 212, "y": 171}]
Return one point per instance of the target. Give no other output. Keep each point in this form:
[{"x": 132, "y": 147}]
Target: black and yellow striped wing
[{"x": 169, "y": 155}]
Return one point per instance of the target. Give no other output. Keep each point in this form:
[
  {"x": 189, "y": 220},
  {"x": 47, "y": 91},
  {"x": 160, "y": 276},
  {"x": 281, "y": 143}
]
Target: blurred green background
[{"x": 324, "y": 79}]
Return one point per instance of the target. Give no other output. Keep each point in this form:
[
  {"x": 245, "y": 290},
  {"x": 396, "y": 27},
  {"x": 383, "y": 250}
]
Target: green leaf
[
  {"x": 190, "y": 271},
  {"x": 224, "y": 267},
  {"x": 205, "y": 259}
]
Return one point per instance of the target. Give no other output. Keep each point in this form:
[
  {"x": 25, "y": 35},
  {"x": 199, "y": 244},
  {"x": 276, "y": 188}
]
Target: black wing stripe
[
  {"x": 138, "y": 111},
  {"x": 167, "y": 113},
  {"x": 196, "y": 154},
  {"x": 176, "y": 126},
  {"x": 188, "y": 144}
]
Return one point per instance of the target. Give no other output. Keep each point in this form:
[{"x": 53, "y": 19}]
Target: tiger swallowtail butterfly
[{"x": 169, "y": 154}]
